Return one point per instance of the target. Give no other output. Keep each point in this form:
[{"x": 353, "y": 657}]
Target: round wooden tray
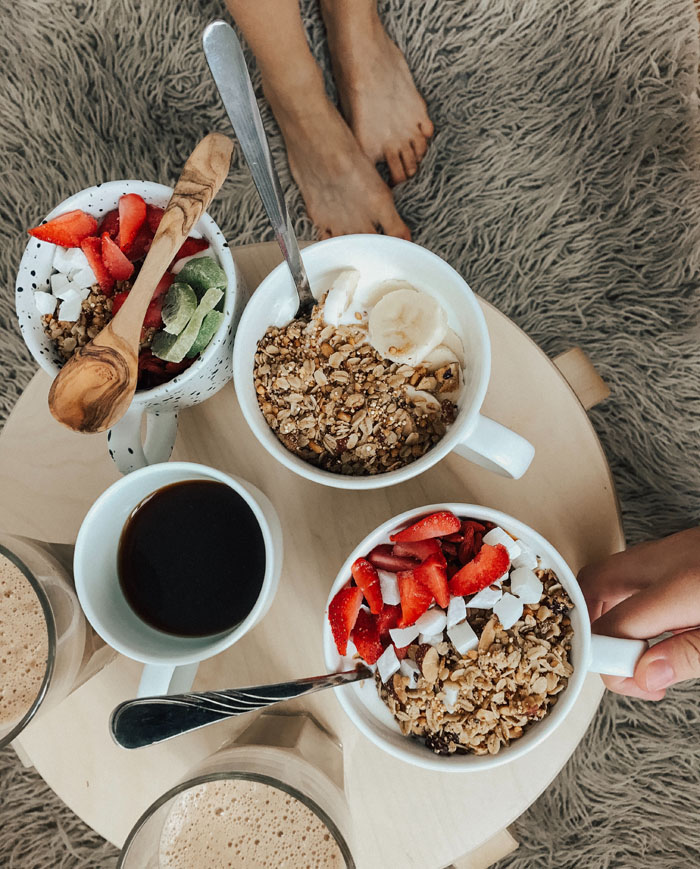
[{"x": 404, "y": 816}]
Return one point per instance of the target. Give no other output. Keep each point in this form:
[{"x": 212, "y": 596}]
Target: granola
[
  {"x": 479, "y": 702},
  {"x": 335, "y": 402}
]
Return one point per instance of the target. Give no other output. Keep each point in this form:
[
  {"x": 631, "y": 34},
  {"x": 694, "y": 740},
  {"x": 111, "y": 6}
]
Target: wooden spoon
[{"x": 94, "y": 388}]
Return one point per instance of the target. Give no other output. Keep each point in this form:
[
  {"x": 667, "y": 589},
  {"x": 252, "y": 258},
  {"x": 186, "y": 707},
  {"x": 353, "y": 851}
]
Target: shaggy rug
[{"x": 563, "y": 181}]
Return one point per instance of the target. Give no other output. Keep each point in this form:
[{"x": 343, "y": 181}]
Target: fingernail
[{"x": 659, "y": 674}]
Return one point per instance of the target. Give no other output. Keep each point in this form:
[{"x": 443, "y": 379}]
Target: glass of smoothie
[
  {"x": 272, "y": 798},
  {"x": 45, "y": 645}
]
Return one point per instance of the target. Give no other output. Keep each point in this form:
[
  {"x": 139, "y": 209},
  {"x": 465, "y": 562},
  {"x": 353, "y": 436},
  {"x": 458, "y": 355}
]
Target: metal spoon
[
  {"x": 147, "y": 720},
  {"x": 228, "y": 67}
]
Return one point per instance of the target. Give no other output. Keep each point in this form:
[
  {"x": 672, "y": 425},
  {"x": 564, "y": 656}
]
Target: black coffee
[{"x": 192, "y": 559}]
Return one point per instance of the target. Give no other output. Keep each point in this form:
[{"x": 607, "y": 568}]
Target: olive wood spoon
[{"x": 94, "y": 388}]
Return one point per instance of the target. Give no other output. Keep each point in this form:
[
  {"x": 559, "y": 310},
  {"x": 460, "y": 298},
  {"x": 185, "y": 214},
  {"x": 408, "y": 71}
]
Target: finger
[
  {"x": 670, "y": 661},
  {"x": 396, "y": 170},
  {"x": 420, "y": 146},
  {"x": 630, "y": 688},
  {"x": 408, "y": 158},
  {"x": 658, "y": 608}
]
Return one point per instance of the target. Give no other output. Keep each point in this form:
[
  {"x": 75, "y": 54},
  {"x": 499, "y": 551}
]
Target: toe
[
  {"x": 396, "y": 169},
  {"x": 426, "y": 127},
  {"x": 408, "y": 158},
  {"x": 389, "y": 220},
  {"x": 420, "y": 146},
  {"x": 323, "y": 235}
]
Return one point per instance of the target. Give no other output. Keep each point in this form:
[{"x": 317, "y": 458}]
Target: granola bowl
[
  {"x": 367, "y": 411},
  {"x": 497, "y": 724}
]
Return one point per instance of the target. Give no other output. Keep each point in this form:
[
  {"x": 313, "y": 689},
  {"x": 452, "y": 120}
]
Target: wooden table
[{"x": 404, "y": 816}]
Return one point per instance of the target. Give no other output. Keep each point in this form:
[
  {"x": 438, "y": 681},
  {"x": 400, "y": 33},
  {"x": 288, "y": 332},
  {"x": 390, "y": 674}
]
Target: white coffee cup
[
  {"x": 171, "y": 662},
  {"x": 590, "y": 653},
  {"x": 160, "y": 405},
  {"x": 381, "y": 257}
]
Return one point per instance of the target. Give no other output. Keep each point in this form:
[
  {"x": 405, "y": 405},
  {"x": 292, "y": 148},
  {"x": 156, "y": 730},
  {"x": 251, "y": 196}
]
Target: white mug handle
[
  {"x": 497, "y": 448},
  {"x": 614, "y": 656},
  {"x": 158, "y": 679},
  {"x": 124, "y": 439}
]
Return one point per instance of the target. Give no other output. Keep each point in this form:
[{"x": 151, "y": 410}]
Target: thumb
[{"x": 672, "y": 660}]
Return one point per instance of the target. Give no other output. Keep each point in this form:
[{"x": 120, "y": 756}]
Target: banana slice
[
  {"x": 405, "y": 326},
  {"x": 339, "y": 297},
  {"x": 375, "y": 294}
]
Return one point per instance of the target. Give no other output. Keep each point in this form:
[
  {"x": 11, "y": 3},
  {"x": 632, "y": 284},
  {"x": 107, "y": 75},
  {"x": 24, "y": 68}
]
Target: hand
[{"x": 646, "y": 591}]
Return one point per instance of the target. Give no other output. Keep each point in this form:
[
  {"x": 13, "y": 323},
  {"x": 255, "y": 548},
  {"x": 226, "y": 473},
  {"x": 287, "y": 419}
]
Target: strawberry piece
[
  {"x": 190, "y": 246},
  {"x": 117, "y": 302},
  {"x": 365, "y": 636},
  {"x": 132, "y": 214},
  {"x": 163, "y": 285},
  {"x": 383, "y": 558},
  {"x": 141, "y": 244},
  {"x": 154, "y": 313},
  {"x": 421, "y": 549},
  {"x": 343, "y": 611},
  {"x": 436, "y": 525},
  {"x": 415, "y": 597},
  {"x": 110, "y": 224},
  {"x": 92, "y": 248},
  {"x": 490, "y": 563},
  {"x": 388, "y": 618},
  {"x": 432, "y": 573},
  {"x": 366, "y": 576},
  {"x": 67, "y": 229},
  {"x": 449, "y": 549},
  {"x": 401, "y": 652},
  {"x": 117, "y": 263},
  {"x": 154, "y": 215}
]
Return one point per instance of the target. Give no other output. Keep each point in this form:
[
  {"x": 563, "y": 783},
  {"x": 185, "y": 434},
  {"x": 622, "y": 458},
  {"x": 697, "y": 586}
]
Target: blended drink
[
  {"x": 24, "y": 644},
  {"x": 239, "y": 823}
]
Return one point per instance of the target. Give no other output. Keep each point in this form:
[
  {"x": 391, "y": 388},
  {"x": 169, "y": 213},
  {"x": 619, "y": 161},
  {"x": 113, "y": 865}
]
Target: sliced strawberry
[
  {"x": 383, "y": 558},
  {"x": 436, "y": 525},
  {"x": 117, "y": 302},
  {"x": 67, "y": 229},
  {"x": 110, "y": 224},
  {"x": 163, "y": 285},
  {"x": 154, "y": 215},
  {"x": 342, "y": 614},
  {"x": 388, "y": 618},
  {"x": 421, "y": 549},
  {"x": 432, "y": 573},
  {"x": 401, "y": 652},
  {"x": 190, "y": 247},
  {"x": 132, "y": 214},
  {"x": 117, "y": 264},
  {"x": 415, "y": 597},
  {"x": 490, "y": 564},
  {"x": 154, "y": 313},
  {"x": 366, "y": 576},
  {"x": 365, "y": 636},
  {"x": 92, "y": 248},
  {"x": 141, "y": 244}
]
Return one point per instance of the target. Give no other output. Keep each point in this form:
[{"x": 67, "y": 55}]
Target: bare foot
[
  {"x": 341, "y": 187},
  {"x": 379, "y": 99}
]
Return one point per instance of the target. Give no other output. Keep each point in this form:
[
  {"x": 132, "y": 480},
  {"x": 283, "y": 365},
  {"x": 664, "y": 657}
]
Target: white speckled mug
[{"x": 202, "y": 379}]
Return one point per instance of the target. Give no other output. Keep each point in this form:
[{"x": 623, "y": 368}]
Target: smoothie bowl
[
  {"x": 77, "y": 271},
  {"x": 477, "y": 631},
  {"x": 387, "y": 378}
]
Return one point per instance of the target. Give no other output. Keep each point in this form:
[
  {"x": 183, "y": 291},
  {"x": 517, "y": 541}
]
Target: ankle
[
  {"x": 297, "y": 92},
  {"x": 348, "y": 20}
]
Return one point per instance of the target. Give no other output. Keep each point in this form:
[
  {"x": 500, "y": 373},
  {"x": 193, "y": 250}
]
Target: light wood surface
[
  {"x": 582, "y": 377},
  {"x": 94, "y": 388},
  {"x": 404, "y": 817}
]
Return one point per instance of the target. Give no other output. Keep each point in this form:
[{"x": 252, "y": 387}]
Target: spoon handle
[
  {"x": 228, "y": 67},
  {"x": 148, "y": 720}
]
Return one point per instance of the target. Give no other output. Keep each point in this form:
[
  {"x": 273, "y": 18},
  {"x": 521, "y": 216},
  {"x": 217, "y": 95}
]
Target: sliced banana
[
  {"x": 420, "y": 396},
  {"x": 371, "y": 296},
  {"x": 340, "y": 296},
  {"x": 405, "y": 326}
]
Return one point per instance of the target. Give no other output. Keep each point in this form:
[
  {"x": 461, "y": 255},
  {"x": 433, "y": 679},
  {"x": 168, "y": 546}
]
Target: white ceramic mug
[
  {"x": 160, "y": 405},
  {"x": 171, "y": 662},
  {"x": 590, "y": 653},
  {"x": 382, "y": 258}
]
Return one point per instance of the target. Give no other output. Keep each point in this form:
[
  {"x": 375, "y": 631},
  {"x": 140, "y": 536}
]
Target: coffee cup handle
[
  {"x": 496, "y": 448},
  {"x": 159, "y": 679},
  {"x": 124, "y": 439},
  {"x": 613, "y": 656}
]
